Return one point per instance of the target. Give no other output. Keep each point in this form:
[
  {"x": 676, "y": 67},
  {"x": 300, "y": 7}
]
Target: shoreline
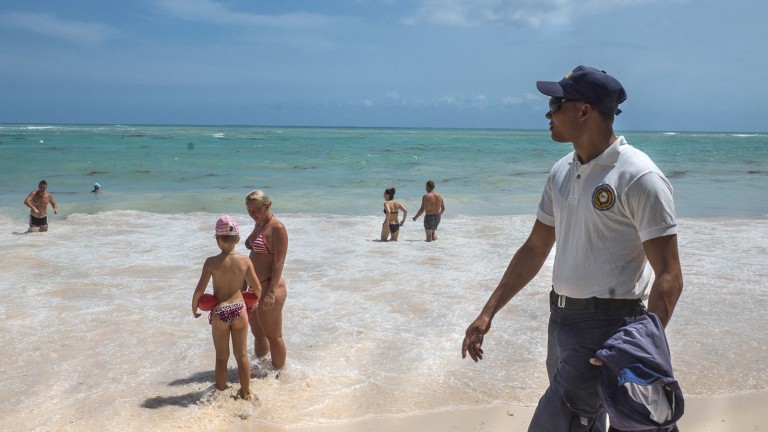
[
  {"x": 351, "y": 374},
  {"x": 740, "y": 412},
  {"x": 14, "y": 216}
]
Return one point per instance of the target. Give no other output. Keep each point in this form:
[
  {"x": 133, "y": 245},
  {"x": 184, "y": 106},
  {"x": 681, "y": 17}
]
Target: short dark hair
[
  {"x": 431, "y": 184},
  {"x": 43, "y": 182}
]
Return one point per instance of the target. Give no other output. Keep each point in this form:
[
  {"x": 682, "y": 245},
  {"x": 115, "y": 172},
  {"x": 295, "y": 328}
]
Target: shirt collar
[{"x": 610, "y": 156}]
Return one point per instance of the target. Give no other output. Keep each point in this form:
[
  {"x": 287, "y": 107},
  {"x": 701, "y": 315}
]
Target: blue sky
[{"x": 687, "y": 65}]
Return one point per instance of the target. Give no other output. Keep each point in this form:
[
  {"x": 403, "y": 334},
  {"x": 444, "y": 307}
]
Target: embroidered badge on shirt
[{"x": 604, "y": 197}]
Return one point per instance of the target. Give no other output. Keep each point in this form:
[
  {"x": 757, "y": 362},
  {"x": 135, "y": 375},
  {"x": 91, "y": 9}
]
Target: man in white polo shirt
[{"x": 610, "y": 212}]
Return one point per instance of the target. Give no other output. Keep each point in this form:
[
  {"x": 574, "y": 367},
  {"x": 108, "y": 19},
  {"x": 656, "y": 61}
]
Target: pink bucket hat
[{"x": 226, "y": 225}]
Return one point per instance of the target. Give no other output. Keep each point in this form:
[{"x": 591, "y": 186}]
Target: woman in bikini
[
  {"x": 268, "y": 244},
  {"x": 391, "y": 226}
]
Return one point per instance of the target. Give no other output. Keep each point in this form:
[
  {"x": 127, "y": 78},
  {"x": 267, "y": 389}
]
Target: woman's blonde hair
[{"x": 259, "y": 196}]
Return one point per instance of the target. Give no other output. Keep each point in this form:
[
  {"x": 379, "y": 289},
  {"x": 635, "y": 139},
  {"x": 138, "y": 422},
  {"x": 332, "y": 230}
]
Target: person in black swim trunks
[
  {"x": 390, "y": 229},
  {"x": 38, "y": 201},
  {"x": 433, "y": 204}
]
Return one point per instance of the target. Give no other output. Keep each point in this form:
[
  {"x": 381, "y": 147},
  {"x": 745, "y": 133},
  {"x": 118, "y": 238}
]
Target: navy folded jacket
[{"x": 637, "y": 386}]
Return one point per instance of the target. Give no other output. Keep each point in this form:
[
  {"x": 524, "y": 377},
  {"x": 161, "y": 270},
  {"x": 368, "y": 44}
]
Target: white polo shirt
[{"x": 602, "y": 212}]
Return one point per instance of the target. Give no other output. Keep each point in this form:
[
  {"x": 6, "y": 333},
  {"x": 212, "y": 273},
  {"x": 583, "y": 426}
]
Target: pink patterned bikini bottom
[{"x": 227, "y": 312}]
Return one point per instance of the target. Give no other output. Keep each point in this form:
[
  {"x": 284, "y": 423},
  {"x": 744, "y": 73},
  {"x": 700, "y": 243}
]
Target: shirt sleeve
[
  {"x": 649, "y": 199},
  {"x": 546, "y": 212}
]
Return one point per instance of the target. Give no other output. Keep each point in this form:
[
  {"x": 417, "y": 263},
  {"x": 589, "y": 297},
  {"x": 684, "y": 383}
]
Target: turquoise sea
[
  {"x": 96, "y": 329},
  {"x": 180, "y": 169}
]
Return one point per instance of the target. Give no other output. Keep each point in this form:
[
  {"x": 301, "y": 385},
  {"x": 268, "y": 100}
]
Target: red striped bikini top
[{"x": 258, "y": 246}]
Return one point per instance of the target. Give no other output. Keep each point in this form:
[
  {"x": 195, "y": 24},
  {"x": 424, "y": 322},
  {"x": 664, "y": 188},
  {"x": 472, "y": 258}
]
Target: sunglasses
[{"x": 554, "y": 103}]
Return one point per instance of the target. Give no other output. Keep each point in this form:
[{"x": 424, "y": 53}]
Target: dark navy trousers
[{"x": 571, "y": 402}]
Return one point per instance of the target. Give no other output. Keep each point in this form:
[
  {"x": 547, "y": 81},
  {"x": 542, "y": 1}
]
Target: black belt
[{"x": 634, "y": 306}]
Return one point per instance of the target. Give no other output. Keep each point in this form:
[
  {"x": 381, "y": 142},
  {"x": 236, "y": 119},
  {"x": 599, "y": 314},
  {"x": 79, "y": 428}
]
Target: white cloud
[
  {"x": 393, "y": 98},
  {"x": 508, "y": 101},
  {"x": 77, "y": 32},
  {"x": 208, "y": 11},
  {"x": 526, "y": 13},
  {"x": 478, "y": 102},
  {"x": 447, "y": 100}
]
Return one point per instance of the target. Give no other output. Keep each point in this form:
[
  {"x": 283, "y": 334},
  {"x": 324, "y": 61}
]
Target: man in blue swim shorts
[{"x": 433, "y": 204}]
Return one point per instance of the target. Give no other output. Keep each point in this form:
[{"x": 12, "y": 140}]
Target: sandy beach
[
  {"x": 114, "y": 342},
  {"x": 743, "y": 412}
]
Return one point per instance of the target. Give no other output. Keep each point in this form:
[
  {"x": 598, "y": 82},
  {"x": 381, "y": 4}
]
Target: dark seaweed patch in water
[
  {"x": 199, "y": 177},
  {"x": 524, "y": 174},
  {"x": 757, "y": 172},
  {"x": 302, "y": 168},
  {"x": 93, "y": 173},
  {"x": 676, "y": 174}
]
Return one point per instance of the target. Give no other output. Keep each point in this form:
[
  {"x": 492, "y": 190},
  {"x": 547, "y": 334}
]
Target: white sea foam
[{"x": 98, "y": 331}]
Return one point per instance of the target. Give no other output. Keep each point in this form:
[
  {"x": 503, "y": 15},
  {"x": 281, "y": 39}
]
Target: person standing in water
[
  {"x": 268, "y": 243},
  {"x": 38, "y": 201},
  {"x": 433, "y": 205},
  {"x": 229, "y": 318},
  {"x": 390, "y": 229}
]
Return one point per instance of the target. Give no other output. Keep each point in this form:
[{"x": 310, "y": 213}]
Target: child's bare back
[{"x": 228, "y": 271}]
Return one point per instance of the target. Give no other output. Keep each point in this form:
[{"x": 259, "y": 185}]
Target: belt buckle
[{"x": 561, "y": 301}]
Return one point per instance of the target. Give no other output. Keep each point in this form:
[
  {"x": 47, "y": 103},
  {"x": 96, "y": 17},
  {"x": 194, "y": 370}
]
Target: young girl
[{"x": 229, "y": 316}]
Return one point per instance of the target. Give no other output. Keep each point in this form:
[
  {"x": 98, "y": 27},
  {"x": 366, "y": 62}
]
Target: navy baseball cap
[{"x": 590, "y": 85}]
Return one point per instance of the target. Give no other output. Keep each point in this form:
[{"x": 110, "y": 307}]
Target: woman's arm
[
  {"x": 280, "y": 250},
  {"x": 405, "y": 212},
  {"x": 248, "y": 239},
  {"x": 252, "y": 279}
]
